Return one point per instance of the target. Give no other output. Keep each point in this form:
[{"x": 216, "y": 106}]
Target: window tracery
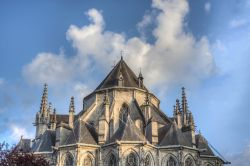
[
  {"x": 68, "y": 161},
  {"x": 189, "y": 162},
  {"x": 112, "y": 160},
  {"x": 131, "y": 160},
  {"x": 147, "y": 161},
  {"x": 171, "y": 161}
]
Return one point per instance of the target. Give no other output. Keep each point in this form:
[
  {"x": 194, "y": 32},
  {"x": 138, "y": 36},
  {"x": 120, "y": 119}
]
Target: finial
[
  {"x": 43, "y": 107},
  {"x": 184, "y": 100},
  {"x": 122, "y": 55},
  {"x": 71, "y": 106},
  {"x": 177, "y": 106},
  {"x": 54, "y": 111},
  {"x": 140, "y": 75},
  {"x": 140, "y": 79}
]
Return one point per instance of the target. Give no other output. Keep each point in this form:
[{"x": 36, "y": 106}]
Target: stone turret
[
  {"x": 188, "y": 126},
  {"x": 71, "y": 112},
  {"x": 192, "y": 127},
  {"x": 103, "y": 126},
  {"x": 151, "y": 123},
  {"x": 147, "y": 108},
  {"x": 43, "y": 116},
  {"x": 177, "y": 114}
]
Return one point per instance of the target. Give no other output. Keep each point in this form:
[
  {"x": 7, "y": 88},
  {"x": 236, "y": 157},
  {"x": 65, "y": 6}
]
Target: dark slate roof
[
  {"x": 24, "y": 145},
  {"x": 130, "y": 79},
  {"x": 82, "y": 133},
  {"x": 46, "y": 142},
  {"x": 202, "y": 143},
  {"x": 136, "y": 112},
  {"x": 158, "y": 115},
  {"x": 174, "y": 136},
  {"x": 127, "y": 132}
]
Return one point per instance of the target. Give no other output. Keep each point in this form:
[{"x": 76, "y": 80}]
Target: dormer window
[{"x": 120, "y": 80}]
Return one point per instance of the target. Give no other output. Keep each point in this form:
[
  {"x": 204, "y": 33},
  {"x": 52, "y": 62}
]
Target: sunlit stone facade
[{"x": 121, "y": 123}]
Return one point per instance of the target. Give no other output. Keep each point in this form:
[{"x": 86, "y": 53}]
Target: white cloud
[
  {"x": 236, "y": 23},
  {"x": 242, "y": 158},
  {"x": 48, "y": 68},
  {"x": 207, "y": 7},
  {"x": 17, "y": 132},
  {"x": 175, "y": 57}
]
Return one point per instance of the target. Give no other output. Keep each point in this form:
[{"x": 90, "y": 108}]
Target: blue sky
[{"x": 202, "y": 45}]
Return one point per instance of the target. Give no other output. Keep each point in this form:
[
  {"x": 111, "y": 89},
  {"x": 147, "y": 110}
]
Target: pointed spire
[
  {"x": 184, "y": 101},
  {"x": 177, "y": 106},
  {"x": 184, "y": 107},
  {"x": 140, "y": 74},
  {"x": 43, "y": 107},
  {"x": 72, "y": 105},
  {"x": 140, "y": 78},
  {"x": 122, "y": 52},
  {"x": 175, "y": 111}
]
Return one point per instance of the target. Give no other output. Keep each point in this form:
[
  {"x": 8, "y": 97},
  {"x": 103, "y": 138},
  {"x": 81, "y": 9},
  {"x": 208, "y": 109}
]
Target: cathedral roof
[
  {"x": 174, "y": 136},
  {"x": 202, "y": 143},
  {"x": 82, "y": 133},
  {"x": 127, "y": 132},
  {"x": 24, "y": 145},
  {"x": 46, "y": 142},
  {"x": 121, "y": 68}
]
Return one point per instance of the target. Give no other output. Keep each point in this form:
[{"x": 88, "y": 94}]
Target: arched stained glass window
[
  {"x": 87, "y": 161},
  {"x": 131, "y": 160},
  {"x": 68, "y": 161},
  {"x": 112, "y": 160},
  {"x": 148, "y": 161},
  {"x": 189, "y": 162},
  {"x": 171, "y": 161}
]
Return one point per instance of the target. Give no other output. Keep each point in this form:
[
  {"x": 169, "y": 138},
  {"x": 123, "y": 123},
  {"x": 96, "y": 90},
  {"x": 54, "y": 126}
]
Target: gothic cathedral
[{"x": 120, "y": 124}]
